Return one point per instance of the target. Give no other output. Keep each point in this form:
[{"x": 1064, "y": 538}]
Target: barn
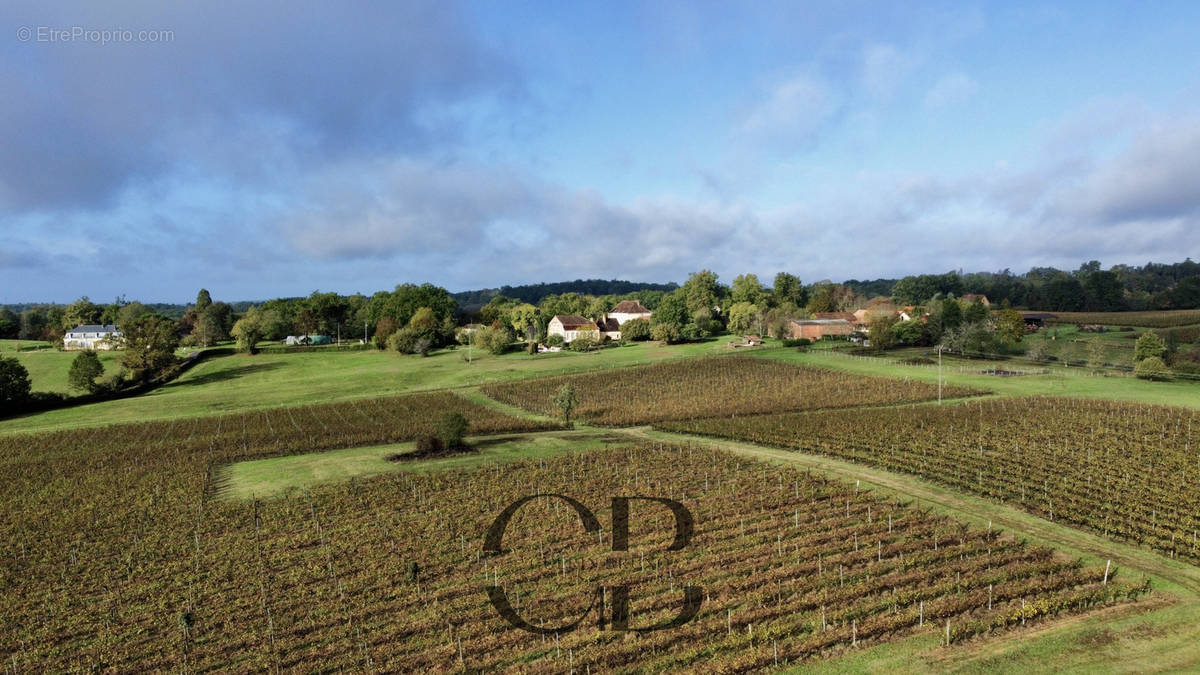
[{"x": 815, "y": 329}]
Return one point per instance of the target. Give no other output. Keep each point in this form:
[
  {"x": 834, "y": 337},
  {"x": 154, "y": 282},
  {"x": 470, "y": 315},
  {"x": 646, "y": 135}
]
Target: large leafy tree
[
  {"x": 746, "y": 288},
  {"x": 701, "y": 291},
  {"x": 788, "y": 289},
  {"x": 14, "y": 382},
  {"x": 82, "y": 311},
  {"x": 150, "y": 342}
]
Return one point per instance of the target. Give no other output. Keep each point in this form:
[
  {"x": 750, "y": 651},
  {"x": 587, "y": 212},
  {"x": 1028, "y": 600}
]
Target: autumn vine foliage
[
  {"x": 116, "y": 557},
  {"x": 711, "y": 387},
  {"x": 1126, "y": 471}
]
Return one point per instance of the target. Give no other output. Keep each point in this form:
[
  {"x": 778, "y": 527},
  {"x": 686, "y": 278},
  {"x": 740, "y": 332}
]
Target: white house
[
  {"x": 570, "y": 326},
  {"x": 627, "y": 310},
  {"x": 92, "y": 336}
]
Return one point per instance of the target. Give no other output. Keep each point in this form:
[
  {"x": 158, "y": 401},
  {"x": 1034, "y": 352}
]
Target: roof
[
  {"x": 94, "y": 328},
  {"x": 845, "y": 316},
  {"x": 821, "y": 322},
  {"x": 629, "y": 307},
  {"x": 574, "y": 322},
  {"x": 972, "y": 297}
]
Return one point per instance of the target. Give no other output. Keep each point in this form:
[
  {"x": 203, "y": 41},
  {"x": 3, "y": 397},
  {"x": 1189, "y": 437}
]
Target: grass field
[
  {"x": 48, "y": 367},
  {"x": 1060, "y": 381},
  {"x": 240, "y": 382},
  {"x": 265, "y": 478}
]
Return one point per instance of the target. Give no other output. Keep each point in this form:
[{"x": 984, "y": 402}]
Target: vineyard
[
  {"x": 119, "y": 562},
  {"x": 1160, "y": 319},
  {"x": 708, "y": 387},
  {"x": 1129, "y": 472}
]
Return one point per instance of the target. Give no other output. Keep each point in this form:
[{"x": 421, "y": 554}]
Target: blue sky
[{"x": 276, "y": 148}]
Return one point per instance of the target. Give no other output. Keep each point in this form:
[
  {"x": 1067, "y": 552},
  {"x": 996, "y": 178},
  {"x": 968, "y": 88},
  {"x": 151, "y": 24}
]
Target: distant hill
[{"x": 533, "y": 293}]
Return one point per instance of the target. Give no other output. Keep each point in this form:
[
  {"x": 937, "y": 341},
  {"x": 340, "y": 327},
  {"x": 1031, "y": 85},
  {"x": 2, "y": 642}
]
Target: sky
[{"x": 273, "y": 148}]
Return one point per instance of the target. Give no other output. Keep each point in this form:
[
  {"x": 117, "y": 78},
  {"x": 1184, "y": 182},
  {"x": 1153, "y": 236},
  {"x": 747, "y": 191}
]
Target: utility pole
[
  {"x": 939, "y": 375},
  {"x": 364, "y": 332}
]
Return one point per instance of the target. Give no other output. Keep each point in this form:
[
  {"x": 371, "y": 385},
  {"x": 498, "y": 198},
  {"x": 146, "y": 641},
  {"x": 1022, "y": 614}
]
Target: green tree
[
  {"x": 150, "y": 342},
  {"x": 635, "y": 330},
  {"x": 451, "y": 429},
  {"x": 85, "y": 369},
  {"x": 10, "y": 324},
  {"x": 82, "y": 311},
  {"x": 251, "y": 328},
  {"x": 565, "y": 400},
  {"x": 665, "y": 332},
  {"x": 672, "y": 310},
  {"x": 880, "y": 331},
  {"x": 1152, "y": 368},
  {"x": 1010, "y": 325},
  {"x": 1096, "y": 354},
  {"x": 1149, "y": 346},
  {"x": 788, "y": 288},
  {"x": 203, "y": 300},
  {"x": 746, "y": 288},
  {"x": 14, "y": 382},
  {"x": 701, "y": 291},
  {"x": 743, "y": 317},
  {"x": 207, "y": 330},
  {"x": 975, "y": 312},
  {"x": 383, "y": 330},
  {"x": 524, "y": 320}
]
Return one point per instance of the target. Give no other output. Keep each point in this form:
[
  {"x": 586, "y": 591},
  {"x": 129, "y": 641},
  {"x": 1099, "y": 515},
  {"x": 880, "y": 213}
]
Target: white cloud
[
  {"x": 953, "y": 89},
  {"x": 884, "y": 68},
  {"x": 792, "y": 113}
]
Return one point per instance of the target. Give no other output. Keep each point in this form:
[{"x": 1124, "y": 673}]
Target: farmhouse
[
  {"x": 571, "y": 326},
  {"x": 92, "y": 336},
  {"x": 815, "y": 329},
  {"x": 627, "y": 310}
]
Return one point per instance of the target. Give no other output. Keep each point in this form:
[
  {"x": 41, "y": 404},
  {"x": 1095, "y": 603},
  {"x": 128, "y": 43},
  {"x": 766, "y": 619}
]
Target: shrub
[
  {"x": 796, "y": 342},
  {"x": 1152, "y": 368},
  {"x": 1149, "y": 346},
  {"x": 555, "y": 340},
  {"x": 451, "y": 428},
  {"x": 583, "y": 343},
  {"x": 428, "y": 445},
  {"x": 635, "y": 330},
  {"x": 14, "y": 382},
  {"x": 84, "y": 370},
  {"x": 665, "y": 332}
]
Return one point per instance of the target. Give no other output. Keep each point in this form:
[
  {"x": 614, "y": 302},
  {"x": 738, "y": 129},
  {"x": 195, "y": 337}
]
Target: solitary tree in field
[
  {"x": 451, "y": 428},
  {"x": 1149, "y": 346},
  {"x": 14, "y": 382},
  {"x": 84, "y": 370},
  {"x": 564, "y": 399}
]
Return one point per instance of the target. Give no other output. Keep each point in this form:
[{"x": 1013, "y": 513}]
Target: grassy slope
[
  {"x": 48, "y": 367},
  {"x": 241, "y": 382},
  {"x": 1060, "y": 381},
  {"x": 278, "y": 475}
]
